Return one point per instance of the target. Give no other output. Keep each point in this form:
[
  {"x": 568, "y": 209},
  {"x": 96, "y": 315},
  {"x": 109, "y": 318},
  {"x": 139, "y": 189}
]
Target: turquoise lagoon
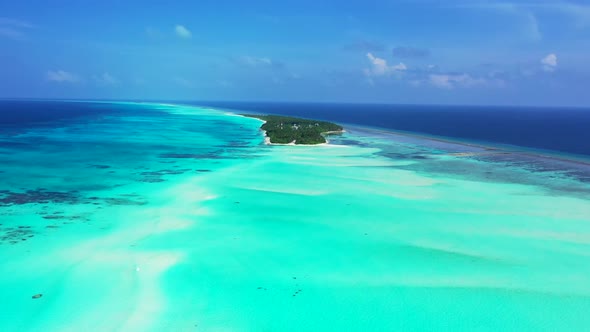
[{"x": 178, "y": 218}]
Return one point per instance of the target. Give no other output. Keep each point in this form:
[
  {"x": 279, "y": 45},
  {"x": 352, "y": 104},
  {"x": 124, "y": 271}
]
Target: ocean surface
[{"x": 162, "y": 217}]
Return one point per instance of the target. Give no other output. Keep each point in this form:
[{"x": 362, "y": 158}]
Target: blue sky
[{"x": 531, "y": 52}]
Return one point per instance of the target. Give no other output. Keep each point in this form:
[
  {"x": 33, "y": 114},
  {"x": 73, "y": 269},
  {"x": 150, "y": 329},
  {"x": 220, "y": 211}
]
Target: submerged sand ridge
[{"x": 242, "y": 237}]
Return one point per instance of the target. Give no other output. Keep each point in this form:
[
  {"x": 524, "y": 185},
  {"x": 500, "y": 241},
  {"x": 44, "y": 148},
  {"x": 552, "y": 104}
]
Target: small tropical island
[{"x": 289, "y": 130}]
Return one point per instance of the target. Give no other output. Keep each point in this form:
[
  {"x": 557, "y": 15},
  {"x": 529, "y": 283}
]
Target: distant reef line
[{"x": 280, "y": 129}]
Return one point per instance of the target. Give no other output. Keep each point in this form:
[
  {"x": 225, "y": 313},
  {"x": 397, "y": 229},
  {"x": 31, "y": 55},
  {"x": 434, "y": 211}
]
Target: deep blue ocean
[
  {"x": 18, "y": 115},
  {"x": 563, "y": 130}
]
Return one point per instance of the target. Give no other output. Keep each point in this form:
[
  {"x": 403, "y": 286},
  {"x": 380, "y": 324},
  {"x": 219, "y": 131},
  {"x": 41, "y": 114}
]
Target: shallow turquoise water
[{"x": 185, "y": 221}]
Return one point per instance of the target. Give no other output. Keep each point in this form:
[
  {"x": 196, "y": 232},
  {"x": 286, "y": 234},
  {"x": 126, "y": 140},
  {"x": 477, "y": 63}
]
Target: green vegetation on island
[{"x": 285, "y": 130}]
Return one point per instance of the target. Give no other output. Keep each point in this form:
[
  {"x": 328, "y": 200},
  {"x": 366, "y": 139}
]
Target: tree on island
[{"x": 285, "y": 130}]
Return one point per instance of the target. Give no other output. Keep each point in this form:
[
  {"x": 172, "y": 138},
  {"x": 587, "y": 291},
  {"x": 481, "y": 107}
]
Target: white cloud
[
  {"x": 549, "y": 62},
  {"x": 524, "y": 14},
  {"x": 450, "y": 81},
  {"x": 182, "y": 32},
  {"x": 401, "y": 66},
  {"x": 61, "y": 76},
  {"x": 11, "y": 33},
  {"x": 578, "y": 12},
  {"x": 106, "y": 79},
  {"x": 13, "y": 29},
  {"x": 255, "y": 61},
  {"x": 441, "y": 81},
  {"x": 531, "y": 27},
  {"x": 15, "y": 23},
  {"x": 379, "y": 67},
  {"x": 416, "y": 83}
]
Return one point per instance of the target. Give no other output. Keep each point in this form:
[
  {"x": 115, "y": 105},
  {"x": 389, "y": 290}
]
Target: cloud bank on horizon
[{"x": 396, "y": 51}]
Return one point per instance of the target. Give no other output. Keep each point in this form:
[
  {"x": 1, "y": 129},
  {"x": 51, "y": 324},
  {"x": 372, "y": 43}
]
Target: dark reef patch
[
  {"x": 64, "y": 217},
  {"x": 156, "y": 176},
  {"x": 99, "y": 166},
  {"x": 211, "y": 155},
  {"x": 152, "y": 180},
  {"x": 13, "y": 235},
  {"x": 350, "y": 142},
  {"x": 238, "y": 144},
  {"x": 130, "y": 195},
  {"x": 39, "y": 196},
  {"x": 165, "y": 172},
  {"x": 123, "y": 201},
  {"x": 395, "y": 155}
]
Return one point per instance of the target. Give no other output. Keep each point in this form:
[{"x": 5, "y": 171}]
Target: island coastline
[{"x": 295, "y": 131}]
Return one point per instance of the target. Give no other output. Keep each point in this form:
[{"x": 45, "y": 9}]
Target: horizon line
[{"x": 290, "y": 102}]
